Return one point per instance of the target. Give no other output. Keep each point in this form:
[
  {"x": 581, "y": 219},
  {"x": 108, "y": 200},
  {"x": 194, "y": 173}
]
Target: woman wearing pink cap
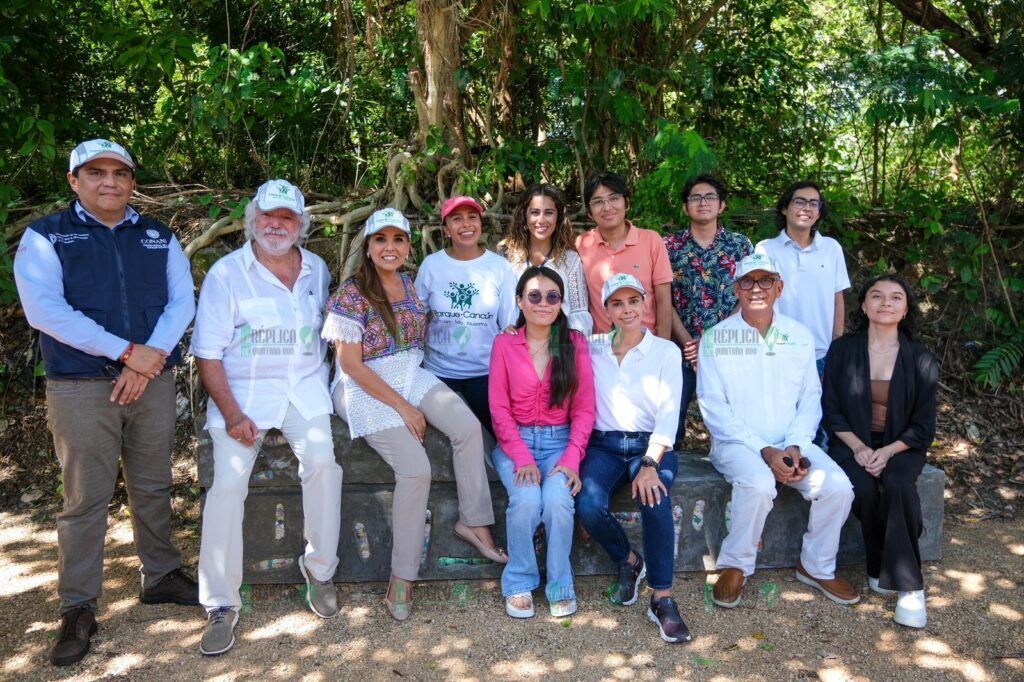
[{"x": 470, "y": 294}]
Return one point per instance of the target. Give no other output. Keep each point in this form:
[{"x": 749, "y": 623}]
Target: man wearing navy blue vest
[{"x": 111, "y": 294}]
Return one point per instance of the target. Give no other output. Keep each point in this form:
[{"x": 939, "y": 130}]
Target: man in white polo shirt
[
  {"x": 811, "y": 264},
  {"x": 257, "y": 343},
  {"x": 760, "y": 397}
]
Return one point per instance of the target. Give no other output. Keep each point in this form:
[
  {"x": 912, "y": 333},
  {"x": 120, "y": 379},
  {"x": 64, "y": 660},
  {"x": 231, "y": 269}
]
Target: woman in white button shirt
[
  {"x": 638, "y": 381},
  {"x": 541, "y": 235}
]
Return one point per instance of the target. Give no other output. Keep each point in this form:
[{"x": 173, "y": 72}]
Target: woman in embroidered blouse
[
  {"x": 378, "y": 324},
  {"x": 878, "y": 402},
  {"x": 541, "y": 234},
  {"x": 542, "y": 403}
]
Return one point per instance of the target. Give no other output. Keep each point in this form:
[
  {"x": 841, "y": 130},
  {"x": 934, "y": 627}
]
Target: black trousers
[
  {"x": 474, "y": 392},
  {"x": 889, "y": 510}
]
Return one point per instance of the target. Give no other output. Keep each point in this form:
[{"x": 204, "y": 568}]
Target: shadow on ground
[{"x": 782, "y": 630}]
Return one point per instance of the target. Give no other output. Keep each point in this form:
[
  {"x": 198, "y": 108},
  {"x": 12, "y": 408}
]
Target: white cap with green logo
[
  {"x": 279, "y": 194},
  {"x": 754, "y": 262},
  {"x": 386, "y": 217},
  {"x": 621, "y": 281},
  {"x": 98, "y": 149}
]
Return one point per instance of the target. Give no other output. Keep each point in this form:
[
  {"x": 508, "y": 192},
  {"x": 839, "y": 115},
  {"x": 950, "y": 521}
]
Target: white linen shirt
[
  {"x": 267, "y": 337},
  {"x": 643, "y": 393},
  {"x": 759, "y": 391},
  {"x": 811, "y": 277}
]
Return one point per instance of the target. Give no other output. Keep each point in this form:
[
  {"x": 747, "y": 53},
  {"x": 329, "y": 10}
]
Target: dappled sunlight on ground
[{"x": 781, "y": 629}]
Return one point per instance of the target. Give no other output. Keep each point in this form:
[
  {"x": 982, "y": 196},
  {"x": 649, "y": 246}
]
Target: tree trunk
[{"x": 438, "y": 100}]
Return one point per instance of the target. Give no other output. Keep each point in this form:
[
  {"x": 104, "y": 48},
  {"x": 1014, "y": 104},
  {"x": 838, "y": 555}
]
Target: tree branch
[{"x": 959, "y": 39}]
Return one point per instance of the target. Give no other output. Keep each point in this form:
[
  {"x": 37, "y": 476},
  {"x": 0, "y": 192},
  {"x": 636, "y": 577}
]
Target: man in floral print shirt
[{"x": 703, "y": 260}]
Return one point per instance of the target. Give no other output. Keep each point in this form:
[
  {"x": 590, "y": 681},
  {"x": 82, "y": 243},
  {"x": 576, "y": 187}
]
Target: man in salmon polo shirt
[{"x": 617, "y": 246}]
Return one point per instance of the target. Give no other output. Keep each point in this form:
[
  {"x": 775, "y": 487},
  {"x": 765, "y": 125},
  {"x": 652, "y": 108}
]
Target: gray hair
[{"x": 249, "y": 222}]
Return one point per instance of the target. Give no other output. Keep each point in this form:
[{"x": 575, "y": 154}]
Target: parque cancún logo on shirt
[{"x": 461, "y": 295}]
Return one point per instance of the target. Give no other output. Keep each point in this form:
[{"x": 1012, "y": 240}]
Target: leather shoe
[
  {"x": 837, "y": 589},
  {"x": 726, "y": 592},
  {"x": 76, "y": 628},
  {"x": 173, "y": 588}
]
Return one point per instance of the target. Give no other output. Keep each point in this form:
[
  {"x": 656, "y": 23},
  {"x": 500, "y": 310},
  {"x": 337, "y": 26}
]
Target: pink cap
[{"x": 455, "y": 203}]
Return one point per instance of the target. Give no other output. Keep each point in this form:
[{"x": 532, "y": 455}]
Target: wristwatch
[{"x": 649, "y": 461}]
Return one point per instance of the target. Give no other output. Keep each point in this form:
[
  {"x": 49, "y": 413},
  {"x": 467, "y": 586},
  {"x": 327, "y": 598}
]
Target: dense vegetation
[{"x": 908, "y": 111}]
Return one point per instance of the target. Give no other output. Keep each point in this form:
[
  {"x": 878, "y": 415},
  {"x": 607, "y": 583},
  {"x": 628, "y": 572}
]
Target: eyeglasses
[
  {"x": 612, "y": 200},
  {"x": 697, "y": 199},
  {"x": 765, "y": 283},
  {"x": 813, "y": 204},
  {"x": 551, "y": 298}
]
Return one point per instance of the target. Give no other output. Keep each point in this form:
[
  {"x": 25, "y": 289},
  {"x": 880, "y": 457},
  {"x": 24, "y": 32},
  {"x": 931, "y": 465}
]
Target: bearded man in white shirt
[
  {"x": 258, "y": 347},
  {"x": 759, "y": 394}
]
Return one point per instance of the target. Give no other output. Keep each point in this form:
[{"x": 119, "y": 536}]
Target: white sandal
[{"x": 516, "y": 612}]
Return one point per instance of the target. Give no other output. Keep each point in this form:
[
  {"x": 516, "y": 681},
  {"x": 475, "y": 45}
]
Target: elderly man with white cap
[
  {"x": 111, "y": 294},
  {"x": 257, "y": 343},
  {"x": 760, "y": 397}
]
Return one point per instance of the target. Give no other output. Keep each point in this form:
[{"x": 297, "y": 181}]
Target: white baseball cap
[
  {"x": 756, "y": 261},
  {"x": 387, "y": 217},
  {"x": 98, "y": 149},
  {"x": 620, "y": 281},
  {"x": 280, "y": 194}
]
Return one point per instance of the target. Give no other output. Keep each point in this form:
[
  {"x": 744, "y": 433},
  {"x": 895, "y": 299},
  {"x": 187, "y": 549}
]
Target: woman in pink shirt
[{"x": 542, "y": 404}]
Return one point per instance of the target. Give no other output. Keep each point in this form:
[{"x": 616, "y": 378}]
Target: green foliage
[
  {"x": 999, "y": 364},
  {"x": 884, "y": 114}
]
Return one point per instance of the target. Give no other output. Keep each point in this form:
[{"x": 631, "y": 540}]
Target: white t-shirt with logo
[{"x": 470, "y": 302}]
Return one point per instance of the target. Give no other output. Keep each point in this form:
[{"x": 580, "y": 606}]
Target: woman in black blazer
[{"x": 878, "y": 401}]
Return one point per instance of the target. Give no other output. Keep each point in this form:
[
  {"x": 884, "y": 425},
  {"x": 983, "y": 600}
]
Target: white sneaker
[
  {"x": 873, "y": 584},
  {"x": 910, "y": 609}
]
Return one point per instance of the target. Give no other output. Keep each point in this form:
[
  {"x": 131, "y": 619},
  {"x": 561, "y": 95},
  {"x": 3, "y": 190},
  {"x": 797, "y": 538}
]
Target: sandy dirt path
[{"x": 459, "y": 630}]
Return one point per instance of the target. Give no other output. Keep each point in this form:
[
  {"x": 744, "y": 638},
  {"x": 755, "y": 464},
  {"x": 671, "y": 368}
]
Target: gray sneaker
[
  {"x": 322, "y": 597},
  {"x": 219, "y": 634}
]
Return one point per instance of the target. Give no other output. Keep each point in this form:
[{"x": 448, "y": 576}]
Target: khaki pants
[
  {"x": 91, "y": 435},
  {"x": 446, "y": 411}
]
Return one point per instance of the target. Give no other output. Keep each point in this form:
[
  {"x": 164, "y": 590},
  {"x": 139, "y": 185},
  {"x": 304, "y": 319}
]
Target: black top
[{"x": 846, "y": 394}]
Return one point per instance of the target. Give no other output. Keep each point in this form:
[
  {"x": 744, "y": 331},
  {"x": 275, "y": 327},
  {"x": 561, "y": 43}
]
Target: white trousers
[
  {"x": 220, "y": 552},
  {"x": 825, "y": 486}
]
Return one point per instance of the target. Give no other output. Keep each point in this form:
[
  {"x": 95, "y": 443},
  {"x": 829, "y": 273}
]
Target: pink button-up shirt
[{"x": 519, "y": 398}]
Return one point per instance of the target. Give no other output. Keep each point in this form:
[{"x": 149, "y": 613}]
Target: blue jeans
[
  {"x": 528, "y": 506},
  {"x": 689, "y": 388},
  {"x": 612, "y": 461}
]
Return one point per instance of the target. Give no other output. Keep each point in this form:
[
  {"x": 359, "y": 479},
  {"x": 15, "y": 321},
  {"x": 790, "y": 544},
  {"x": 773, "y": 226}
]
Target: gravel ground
[{"x": 975, "y": 629}]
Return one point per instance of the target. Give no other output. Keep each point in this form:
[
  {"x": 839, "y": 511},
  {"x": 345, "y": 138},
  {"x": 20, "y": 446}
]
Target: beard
[{"x": 274, "y": 243}]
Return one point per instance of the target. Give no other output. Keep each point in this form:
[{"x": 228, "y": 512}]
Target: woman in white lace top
[
  {"x": 542, "y": 235},
  {"x": 378, "y": 326}
]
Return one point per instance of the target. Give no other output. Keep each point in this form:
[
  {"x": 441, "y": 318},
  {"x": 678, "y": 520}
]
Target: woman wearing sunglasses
[
  {"x": 541, "y": 234},
  {"x": 542, "y": 404}
]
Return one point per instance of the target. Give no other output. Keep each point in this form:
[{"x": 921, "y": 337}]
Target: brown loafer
[
  {"x": 727, "y": 590},
  {"x": 836, "y": 589}
]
